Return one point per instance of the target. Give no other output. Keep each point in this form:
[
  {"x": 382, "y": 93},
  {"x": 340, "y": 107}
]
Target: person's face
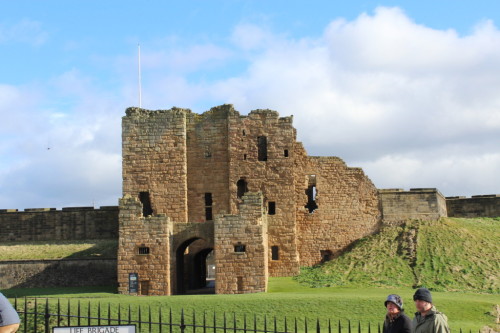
[
  {"x": 392, "y": 308},
  {"x": 422, "y": 306}
]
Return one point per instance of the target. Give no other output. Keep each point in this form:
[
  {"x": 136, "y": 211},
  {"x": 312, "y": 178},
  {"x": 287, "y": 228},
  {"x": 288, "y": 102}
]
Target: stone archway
[
  {"x": 191, "y": 267},
  {"x": 191, "y": 244}
]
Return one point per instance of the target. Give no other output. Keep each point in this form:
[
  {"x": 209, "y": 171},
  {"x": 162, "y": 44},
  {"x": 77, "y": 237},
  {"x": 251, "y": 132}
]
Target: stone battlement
[
  {"x": 49, "y": 224},
  {"x": 65, "y": 209},
  {"x": 476, "y": 206},
  {"x": 398, "y": 205}
]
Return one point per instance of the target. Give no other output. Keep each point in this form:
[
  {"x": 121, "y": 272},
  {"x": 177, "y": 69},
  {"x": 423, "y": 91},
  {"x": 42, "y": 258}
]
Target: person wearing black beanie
[
  {"x": 396, "y": 321},
  {"x": 427, "y": 318}
]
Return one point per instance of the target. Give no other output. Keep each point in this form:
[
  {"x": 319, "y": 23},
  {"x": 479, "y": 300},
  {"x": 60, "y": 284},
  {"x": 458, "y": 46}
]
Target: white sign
[{"x": 96, "y": 329}]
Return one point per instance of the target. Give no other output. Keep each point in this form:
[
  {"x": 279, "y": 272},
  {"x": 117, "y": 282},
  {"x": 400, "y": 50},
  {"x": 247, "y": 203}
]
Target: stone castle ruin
[
  {"x": 241, "y": 186},
  {"x": 236, "y": 194}
]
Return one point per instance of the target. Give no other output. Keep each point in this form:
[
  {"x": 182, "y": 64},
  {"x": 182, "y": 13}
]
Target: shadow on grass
[{"x": 66, "y": 291}]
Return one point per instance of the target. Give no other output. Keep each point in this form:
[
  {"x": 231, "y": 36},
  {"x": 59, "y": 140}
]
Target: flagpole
[{"x": 139, "y": 63}]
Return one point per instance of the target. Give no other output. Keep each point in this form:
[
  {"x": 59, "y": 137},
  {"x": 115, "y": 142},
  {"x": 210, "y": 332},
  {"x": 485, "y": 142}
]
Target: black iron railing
[{"x": 42, "y": 315}]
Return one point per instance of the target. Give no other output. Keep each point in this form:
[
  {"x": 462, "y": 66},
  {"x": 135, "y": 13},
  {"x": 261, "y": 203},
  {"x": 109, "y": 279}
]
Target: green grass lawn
[
  {"x": 287, "y": 298},
  {"x": 97, "y": 248}
]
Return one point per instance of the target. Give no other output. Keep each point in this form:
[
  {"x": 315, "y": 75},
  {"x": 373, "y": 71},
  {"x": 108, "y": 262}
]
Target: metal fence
[{"x": 42, "y": 315}]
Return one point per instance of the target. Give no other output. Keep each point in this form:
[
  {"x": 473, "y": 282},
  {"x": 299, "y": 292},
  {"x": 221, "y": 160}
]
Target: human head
[
  {"x": 423, "y": 300},
  {"x": 394, "y": 304}
]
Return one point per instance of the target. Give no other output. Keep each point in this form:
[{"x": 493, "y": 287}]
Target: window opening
[
  {"x": 208, "y": 207},
  {"x": 147, "y": 210},
  {"x": 326, "y": 255},
  {"x": 285, "y": 153},
  {"x": 262, "y": 148},
  {"x": 208, "y": 213},
  {"x": 311, "y": 193},
  {"x": 244, "y": 133},
  {"x": 239, "y": 248},
  {"x": 275, "y": 253},
  {"x": 271, "y": 208},
  {"x": 143, "y": 250},
  {"x": 242, "y": 188},
  {"x": 244, "y": 156},
  {"x": 311, "y": 199},
  {"x": 208, "y": 199}
]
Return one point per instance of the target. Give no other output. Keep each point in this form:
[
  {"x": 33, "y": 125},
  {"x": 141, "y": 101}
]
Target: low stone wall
[
  {"x": 71, "y": 223},
  {"x": 476, "y": 206},
  {"x": 398, "y": 205},
  {"x": 57, "y": 273}
]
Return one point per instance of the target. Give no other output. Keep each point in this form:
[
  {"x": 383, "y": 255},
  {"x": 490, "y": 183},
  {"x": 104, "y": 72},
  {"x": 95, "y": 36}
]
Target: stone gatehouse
[{"x": 239, "y": 187}]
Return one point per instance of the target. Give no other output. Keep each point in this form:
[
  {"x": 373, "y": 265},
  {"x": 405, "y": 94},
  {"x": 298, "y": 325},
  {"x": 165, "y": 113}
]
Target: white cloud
[
  {"x": 411, "y": 105},
  {"x": 25, "y": 31},
  {"x": 378, "y": 88},
  {"x": 249, "y": 37},
  {"x": 64, "y": 146}
]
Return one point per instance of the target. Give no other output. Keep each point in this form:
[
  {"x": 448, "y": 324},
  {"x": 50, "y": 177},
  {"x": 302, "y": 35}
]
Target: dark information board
[{"x": 133, "y": 282}]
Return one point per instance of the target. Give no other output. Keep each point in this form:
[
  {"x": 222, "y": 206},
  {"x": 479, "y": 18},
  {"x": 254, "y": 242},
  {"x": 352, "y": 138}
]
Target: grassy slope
[
  {"x": 460, "y": 254},
  {"x": 451, "y": 255}
]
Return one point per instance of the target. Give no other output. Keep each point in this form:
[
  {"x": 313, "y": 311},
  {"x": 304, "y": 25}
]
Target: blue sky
[{"x": 407, "y": 90}]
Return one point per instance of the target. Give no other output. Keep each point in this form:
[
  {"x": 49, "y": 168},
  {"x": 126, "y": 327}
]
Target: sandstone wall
[
  {"x": 271, "y": 174},
  {"x": 138, "y": 233},
  {"x": 57, "y": 273},
  {"x": 208, "y": 164},
  {"x": 241, "y": 249},
  {"x": 49, "y": 224},
  {"x": 347, "y": 207},
  {"x": 419, "y": 203},
  {"x": 476, "y": 206},
  {"x": 155, "y": 159}
]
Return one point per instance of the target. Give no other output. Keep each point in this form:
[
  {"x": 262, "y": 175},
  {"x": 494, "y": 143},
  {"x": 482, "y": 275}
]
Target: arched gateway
[
  {"x": 238, "y": 190},
  {"x": 192, "y": 244}
]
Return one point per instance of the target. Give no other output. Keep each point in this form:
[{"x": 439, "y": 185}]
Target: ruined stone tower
[{"x": 241, "y": 186}]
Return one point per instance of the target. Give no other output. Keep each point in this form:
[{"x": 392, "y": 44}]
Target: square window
[
  {"x": 143, "y": 250},
  {"x": 239, "y": 248}
]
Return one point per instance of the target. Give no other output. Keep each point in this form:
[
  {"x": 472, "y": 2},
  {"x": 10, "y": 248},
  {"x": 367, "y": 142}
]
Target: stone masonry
[
  {"x": 268, "y": 207},
  {"x": 418, "y": 203},
  {"x": 69, "y": 223},
  {"x": 475, "y": 206},
  {"x": 241, "y": 248}
]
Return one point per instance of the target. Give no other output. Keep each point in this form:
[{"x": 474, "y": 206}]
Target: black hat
[
  {"x": 393, "y": 298},
  {"x": 423, "y": 294}
]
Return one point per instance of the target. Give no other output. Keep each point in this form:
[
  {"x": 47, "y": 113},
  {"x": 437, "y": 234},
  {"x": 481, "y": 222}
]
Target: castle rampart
[
  {"x": 70, "y": 223},
  {"x": 418, "y": 203},
  {"x": 475, "y": 206}
]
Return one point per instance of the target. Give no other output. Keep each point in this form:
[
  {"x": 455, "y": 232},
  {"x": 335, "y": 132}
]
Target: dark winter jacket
[
  {"x": 400, "y": 324},
  {"x": 433, "y": 322}
]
